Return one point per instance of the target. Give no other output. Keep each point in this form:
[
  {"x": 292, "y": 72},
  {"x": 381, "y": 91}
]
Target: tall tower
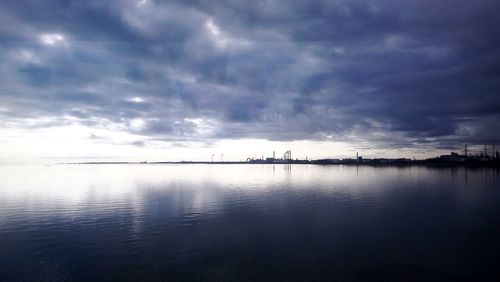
[
  {"x": 465, "y": 150},
  {"x": 287, "y": 155}
]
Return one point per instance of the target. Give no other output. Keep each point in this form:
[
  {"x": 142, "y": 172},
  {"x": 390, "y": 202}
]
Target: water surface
[{"x": 248, "y": 223}]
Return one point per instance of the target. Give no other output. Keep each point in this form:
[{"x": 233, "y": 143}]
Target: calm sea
[{"x": 249, "y": 223}]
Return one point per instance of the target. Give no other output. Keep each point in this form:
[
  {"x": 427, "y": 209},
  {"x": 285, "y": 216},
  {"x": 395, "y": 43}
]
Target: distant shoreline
[{"x": 299, "y": 162}]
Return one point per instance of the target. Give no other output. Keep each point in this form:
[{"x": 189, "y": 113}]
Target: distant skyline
[{"x": 185, "y": 80}]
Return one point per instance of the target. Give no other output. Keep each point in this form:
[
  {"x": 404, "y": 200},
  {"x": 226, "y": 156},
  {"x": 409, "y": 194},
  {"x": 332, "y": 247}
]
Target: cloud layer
[{"x": 387, "y": 74}]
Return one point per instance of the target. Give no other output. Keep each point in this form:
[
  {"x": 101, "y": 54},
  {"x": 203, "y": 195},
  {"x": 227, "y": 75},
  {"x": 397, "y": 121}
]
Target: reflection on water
[{"x": 248, "y": 222}]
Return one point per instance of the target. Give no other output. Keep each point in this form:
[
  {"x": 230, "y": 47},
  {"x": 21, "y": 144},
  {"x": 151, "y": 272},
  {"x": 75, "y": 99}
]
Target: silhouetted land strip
[{"x": 363, "y": 162}]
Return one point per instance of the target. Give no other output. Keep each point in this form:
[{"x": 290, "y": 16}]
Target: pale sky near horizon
[{"x": 127, "y": 80}]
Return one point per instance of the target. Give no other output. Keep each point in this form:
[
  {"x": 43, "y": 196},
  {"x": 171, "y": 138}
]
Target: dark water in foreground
[{"x": 249, "y": 223}]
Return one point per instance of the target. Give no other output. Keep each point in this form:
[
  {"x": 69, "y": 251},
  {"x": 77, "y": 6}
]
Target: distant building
[{"x": 452, "y": 157}]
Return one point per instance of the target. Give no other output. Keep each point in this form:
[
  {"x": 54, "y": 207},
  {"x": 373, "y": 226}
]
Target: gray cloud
[{"x": 394, "y": 73}]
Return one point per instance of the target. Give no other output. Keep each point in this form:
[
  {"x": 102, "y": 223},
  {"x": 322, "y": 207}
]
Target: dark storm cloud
[{"x": 400, "y": 73}]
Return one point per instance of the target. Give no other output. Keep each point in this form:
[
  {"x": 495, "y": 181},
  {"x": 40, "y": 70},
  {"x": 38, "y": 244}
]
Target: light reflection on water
[{"x": 248, "y": 222}]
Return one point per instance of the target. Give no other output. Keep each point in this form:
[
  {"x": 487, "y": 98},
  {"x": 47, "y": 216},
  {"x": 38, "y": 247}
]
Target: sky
[{"x": 227, "y": 80}]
